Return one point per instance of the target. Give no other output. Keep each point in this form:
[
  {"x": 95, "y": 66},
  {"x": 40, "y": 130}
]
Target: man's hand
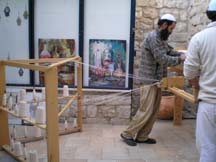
[
  {"x": 182, "y": 57},
  {"x": 195, "y": 82}
]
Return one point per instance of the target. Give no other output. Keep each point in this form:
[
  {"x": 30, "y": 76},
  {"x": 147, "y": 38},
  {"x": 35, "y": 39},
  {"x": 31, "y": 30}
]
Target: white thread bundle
[
  {"x": 66, "y": 124},
  {"x": 65, "y": 91},
  {"x": 4, "y": 101},
  {"x": 75, "y": 122},
  {"x": 40, "y": 115},
  {"x": 43, "y": 93},
  {"x": 22, "y": 95},
  {"x": 18, "y": 148},
  {"x": 12, "y": 143},
  {"x": 25, "y": 132},
  {"x": 37, "y": 132},
  {"x": 33, "y": 156},
  {"x": 22, "y": 109},
  {"x": 10, "y": 102}
]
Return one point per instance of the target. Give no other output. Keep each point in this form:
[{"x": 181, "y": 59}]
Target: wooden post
[
  {"x": 177, "y": 82},
  {"x": 179, "y": 102},
  {"x": 51, "y": 84},
  {"x": 4, "y": 135},
  {"x": 79, "y": 98}
]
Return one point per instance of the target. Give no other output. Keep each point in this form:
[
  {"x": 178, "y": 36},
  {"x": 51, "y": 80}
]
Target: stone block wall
[{"x": 100, "y": 107}]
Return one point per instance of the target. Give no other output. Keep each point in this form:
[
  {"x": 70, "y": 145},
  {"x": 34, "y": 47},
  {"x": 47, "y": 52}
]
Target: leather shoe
[
  {"x": 148, "y": 141},
  {"x": 129, "y": 141}
]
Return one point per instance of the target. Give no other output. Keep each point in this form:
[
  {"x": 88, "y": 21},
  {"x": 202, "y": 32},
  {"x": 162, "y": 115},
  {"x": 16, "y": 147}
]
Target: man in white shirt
[{"x": 200, "y": 70}]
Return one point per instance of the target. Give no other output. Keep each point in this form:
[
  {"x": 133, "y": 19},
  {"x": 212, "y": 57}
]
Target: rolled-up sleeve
[{"x": 192, "y": 61}]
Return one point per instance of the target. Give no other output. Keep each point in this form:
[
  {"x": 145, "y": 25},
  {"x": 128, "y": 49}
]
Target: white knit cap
[
  {"x": 168, "y": 17},
  {"x": 212, "y": 5}
]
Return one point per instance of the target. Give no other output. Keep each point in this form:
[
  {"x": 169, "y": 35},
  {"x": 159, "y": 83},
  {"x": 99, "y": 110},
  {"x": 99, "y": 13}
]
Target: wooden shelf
[
  {"x": 7, "y": 149},
  {"x": 51, "y": 85},
  {"x": 42, "y": 126}
]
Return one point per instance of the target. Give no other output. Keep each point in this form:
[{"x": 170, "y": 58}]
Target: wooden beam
[
  {"x": 4, "y": 135},
  {"x": 67, "y": 105},
  {"x": 7, "y": 149},
  {"x": 42, "y": 126},
  {"x": 64, "y": 61},
  {"x": 69, "y": 131},
  {"x": 51, "y": 82},
  {"x": 182, "y": 94},
  {"x": 44, "y": 60},
  {"x": 79, "y": 98},
  {"x": 26, "y": 66}
]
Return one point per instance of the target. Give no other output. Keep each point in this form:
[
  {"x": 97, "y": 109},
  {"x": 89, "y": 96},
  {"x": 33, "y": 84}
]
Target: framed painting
[
  {"x": 59, "y": 48},
  {"x": 107, "y": 59}
]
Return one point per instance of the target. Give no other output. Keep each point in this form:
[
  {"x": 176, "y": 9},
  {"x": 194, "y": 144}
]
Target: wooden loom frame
[
  {"x": 52, "y": 114},
  {"x": 175, "y": 85}
]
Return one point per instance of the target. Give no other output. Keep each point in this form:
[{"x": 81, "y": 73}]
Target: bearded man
[{"x": 156, "y": 56}]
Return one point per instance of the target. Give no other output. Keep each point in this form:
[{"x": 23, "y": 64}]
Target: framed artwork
[
  {"x": 107, "y": 59},
  {"x": 59, "y": 48}
]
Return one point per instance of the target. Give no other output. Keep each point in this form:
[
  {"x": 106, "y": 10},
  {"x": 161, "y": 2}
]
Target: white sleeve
[{"x": 192, "y": 61}]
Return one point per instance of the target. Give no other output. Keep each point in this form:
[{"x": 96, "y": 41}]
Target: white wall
[{"x": 14, "y": 39}]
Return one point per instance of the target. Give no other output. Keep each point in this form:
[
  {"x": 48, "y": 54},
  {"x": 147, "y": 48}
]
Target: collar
[{"x": 212, "y": 24}]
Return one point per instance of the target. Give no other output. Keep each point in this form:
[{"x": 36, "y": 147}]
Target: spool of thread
[
  {"x": 16, "y": 110},
  {"x": 37, "y": 132},
  {"x": 75, "y": 122},
  {"x": 25, "y": 131},
  {"x": 65, "y": 91},
  {"x": 14, "y": 134},
  {"x": 18, "y": 149},
  {"x": 40, "y": 115},
  {"x": 22, "y": 109},
  {"x": 4, "y": 100},
  {"x": 33, "y": 156},
  {"x": 34, "y": 95},
  {"x": 43, "y": 93},
  {"x": 12, "y": 143},
  {"x": 10, "y": 102},
  {"x": 25, "y": 152},
  {"x": 66, "y": 124},
  {"x": 22, "y": 95}
]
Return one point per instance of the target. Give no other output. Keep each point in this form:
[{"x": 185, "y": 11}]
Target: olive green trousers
[{"x": 142, "y": 123}]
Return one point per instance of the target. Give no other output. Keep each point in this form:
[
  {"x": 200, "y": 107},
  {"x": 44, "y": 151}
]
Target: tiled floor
[{"x": 102, "y": 143}]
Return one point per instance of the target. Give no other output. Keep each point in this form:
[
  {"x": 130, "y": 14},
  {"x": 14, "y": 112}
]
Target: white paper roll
[
  {"x": 22, "y": 95},
  {"x": 66, "y": 124},
  {"x": 43, "y": 93},
  {"x": 34, "y": 95},
  {"x": 12, "y": 143},
  {"x": 75, "y": 122},
  {"x": 25, "y": 152},
  {"x": 16, "y": 110},
  {"x": 4, "y": 101},
  {"x": 14, "y": 132},
  {"x": 10, "y": 102},
  {"x": 22, "y": 109},
  {"x": 25, "y": 131},
  {"x": 40, "y": 115},
  {"x": 18, "y": 149},
  {"x": 33, "y": 156},
  {"x": 65, "y": 91},
  {"x": 37, "y": 132}
]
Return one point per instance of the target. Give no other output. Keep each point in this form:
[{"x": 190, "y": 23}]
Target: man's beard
[{"x": 164, "y": 34}]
